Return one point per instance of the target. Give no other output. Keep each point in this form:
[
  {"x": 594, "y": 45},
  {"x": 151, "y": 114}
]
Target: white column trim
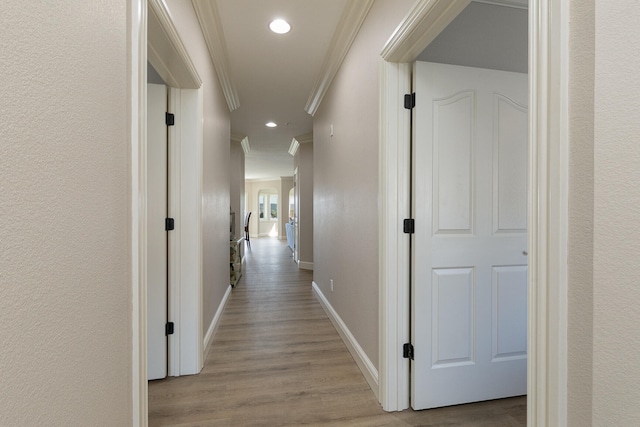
[
  {"x": 137, "y": 49},
  {"x": 548, "y": 213},
  {"x": 394, "y": 177}
]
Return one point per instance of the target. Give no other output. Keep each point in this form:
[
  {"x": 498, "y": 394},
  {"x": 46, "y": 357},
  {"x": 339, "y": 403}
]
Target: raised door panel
[
  {"x": 509, "y": 313},
  {"x": 453, "y": 317},
  {"x": 510, "y": 165},
  {"x": 453, "y": 159}
]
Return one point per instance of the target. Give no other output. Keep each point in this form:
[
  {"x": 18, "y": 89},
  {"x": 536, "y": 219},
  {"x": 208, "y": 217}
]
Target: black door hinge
[
  {"x": 409, "y": 226},
  {"x": 410, "y": 100},
  {"x": 168, "y": 328},
  {"x": 169, "y": 224},
  {"x": 407, "y": 351},
  {"x": 170, "y": 119}
]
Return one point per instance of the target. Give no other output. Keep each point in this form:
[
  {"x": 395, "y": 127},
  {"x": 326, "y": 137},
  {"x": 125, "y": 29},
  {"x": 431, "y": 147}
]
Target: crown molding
[
  {"x": 350, "y": 22},
  {"x": 211, "y": 26},
  {"x": 237, "y": 137},
  {"x": 293, "y": 149},
  {"x": 305, "y": 139},
  {"x": 164, "y": 45},
  {"x": 242, "y": 140},
  {"x": 516, "y": 4},
  {"x": 410, "y": 38},
  {"x": 245, "y": 145}
]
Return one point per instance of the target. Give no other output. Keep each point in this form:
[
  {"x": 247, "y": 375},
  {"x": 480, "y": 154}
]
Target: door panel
[
  {"x": 452, "y": 163},
  {"x": 469, "y": 264},
  {"x": 510, "y": 166},
  {"x": 453, "y": 317},
  {"x": 156, "y": 234}
]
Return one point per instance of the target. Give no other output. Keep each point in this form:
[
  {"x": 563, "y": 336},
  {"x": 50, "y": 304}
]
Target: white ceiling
[
  {"x": 272, "y": 76},
  {"x": 275, "y": 74}
]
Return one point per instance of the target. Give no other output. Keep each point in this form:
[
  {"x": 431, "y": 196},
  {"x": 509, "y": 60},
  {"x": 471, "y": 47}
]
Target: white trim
[
  {"x": 548, "y": 201},
  {"x": 367, "y": 368},
  {"x": 350, "y": 22},
  {"x": 516, "y": 4},
  {"x": 245, "y": 145},
  {"x": 305, "y": 265},
  {"x": 185, "y": 261},
  {"x": 421, "y": 26},
  {"x": 548, "y": 213},
  {"x": 394, "y": 290},
  {"x": 211, "y": 26},
  {"x": 293, "y": 148},
  {"x": 215, "y": 322},
  {"x": 164, "y": 43},
  {"x": 199, "y": 239},
  {"x": 137, "y": 46},
  {"x": 174, "y": 238}
]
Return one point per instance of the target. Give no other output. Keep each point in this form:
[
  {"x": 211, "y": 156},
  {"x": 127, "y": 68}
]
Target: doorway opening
[{"x": 547, "y": 198}]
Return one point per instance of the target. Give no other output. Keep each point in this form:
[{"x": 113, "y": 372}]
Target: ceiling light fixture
[
  {"x": 271, "y": 125},
  {"x": 280, "y": 26}
]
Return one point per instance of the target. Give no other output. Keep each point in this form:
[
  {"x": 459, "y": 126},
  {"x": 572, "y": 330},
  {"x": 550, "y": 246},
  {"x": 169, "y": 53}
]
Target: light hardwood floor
[{"x": 276, "y": 360}]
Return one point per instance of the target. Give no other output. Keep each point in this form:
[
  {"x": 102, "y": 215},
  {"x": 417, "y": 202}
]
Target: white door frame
[
  {"x": 153, "y": 38},
  {"x": 548, "y": 202}
]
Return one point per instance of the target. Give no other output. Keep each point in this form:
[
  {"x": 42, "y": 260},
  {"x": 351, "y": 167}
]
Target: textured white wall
[
  {"x": 345, "y": 167},
  {"x": 580, "y": 259},
  {"x": 65, "y": 310},
  {"x": 616, "y": 238},
  {"x": 217, "y": 178}
]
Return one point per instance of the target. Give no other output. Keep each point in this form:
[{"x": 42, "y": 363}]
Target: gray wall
[
  {"x": 345, "y": 180},
  {"x": 65, "y": 271}
]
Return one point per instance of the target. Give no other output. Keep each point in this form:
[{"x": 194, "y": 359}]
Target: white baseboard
[
  {"x": 364, "y": 363},
  {"x": 208, "y": 338},
  {"x": 303, "y": 265}
]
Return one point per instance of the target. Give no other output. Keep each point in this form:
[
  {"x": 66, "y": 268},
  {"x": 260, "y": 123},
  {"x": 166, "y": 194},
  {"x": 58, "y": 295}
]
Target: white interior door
[
  {"x": 156, "y": 233},
  {"x": 469, "y": 292}
]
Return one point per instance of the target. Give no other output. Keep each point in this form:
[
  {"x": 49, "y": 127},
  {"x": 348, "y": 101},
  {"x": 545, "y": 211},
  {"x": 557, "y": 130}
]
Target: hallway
[{"x": 276, "y": 359}]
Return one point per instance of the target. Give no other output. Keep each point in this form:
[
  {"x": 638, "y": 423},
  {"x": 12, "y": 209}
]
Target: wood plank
[{"x": 277, "y": 360}]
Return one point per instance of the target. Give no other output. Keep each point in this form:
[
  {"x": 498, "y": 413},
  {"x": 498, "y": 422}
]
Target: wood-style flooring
[{"x": 276, "y": 360}]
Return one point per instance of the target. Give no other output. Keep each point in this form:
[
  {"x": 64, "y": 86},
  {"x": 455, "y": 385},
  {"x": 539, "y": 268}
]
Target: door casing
[
  {"x": 548, "y": 203},
  {"x": 186, "y": 296}
]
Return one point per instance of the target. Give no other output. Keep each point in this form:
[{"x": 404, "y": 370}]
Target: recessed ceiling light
[
  {"x": 271, "y": 125},
  {"x": 280, "y": 26}
]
